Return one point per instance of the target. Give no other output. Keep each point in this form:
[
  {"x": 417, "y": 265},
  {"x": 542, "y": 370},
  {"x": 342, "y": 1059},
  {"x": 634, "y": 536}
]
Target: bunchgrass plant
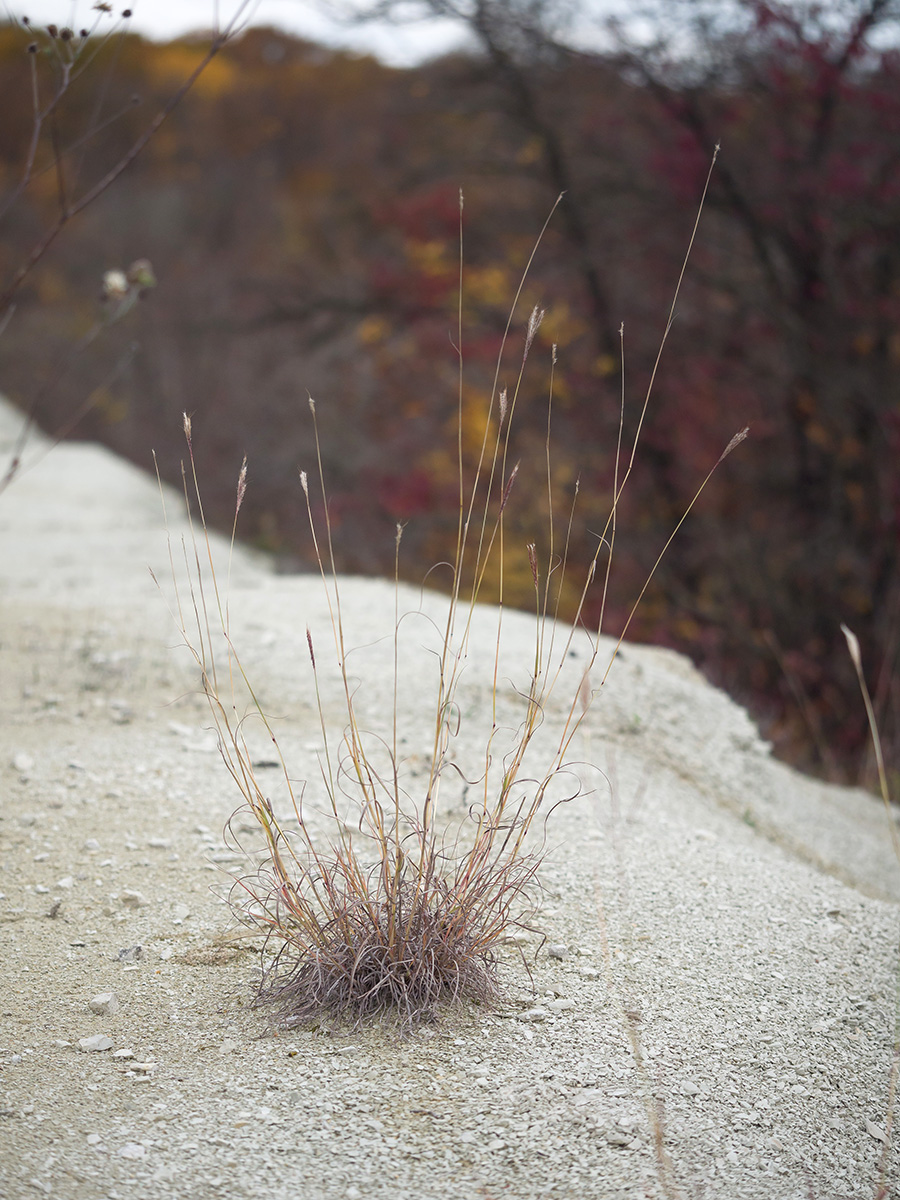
[{"x": 394, "y": 908}]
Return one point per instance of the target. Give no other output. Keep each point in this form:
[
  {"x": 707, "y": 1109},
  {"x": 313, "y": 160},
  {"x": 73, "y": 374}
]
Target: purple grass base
[{"x": 374, "y": 963}]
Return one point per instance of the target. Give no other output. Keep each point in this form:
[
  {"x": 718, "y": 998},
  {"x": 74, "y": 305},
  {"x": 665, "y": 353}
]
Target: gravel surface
[{"x": 706, "y": 1007}]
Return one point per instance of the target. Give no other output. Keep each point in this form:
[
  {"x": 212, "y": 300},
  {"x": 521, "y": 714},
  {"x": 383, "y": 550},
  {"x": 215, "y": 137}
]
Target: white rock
[
  {"x": 22, "y": 762},
  {"x": 875, "y": 1131},
  {"x": 560, "y": 1005},
  {"x": 159, "y": 843},
  {"x": 97, "y": 1041},
  {"x": 123, "y": 1054},
  {"x": 92, "y": 845},
  {"x": 133, "y": 899},
  {"x": 534, "y": 1014},
  {"x": 66, "y": 882},
  {"x": 104, "y": 1004},
  {"x": 558, "y": 950},
  {"x": 133, "y": 1150}
]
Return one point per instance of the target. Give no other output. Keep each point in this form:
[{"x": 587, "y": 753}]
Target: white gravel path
[{"x": 721, "y": 1023}]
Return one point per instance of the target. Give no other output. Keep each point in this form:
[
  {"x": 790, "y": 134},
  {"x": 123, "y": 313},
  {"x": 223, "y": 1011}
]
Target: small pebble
[
  {"x": 92, "y": 845},
  {"x": 22, "y": 762},
  {"x": 93, "y": 1139},
  {"x": 875, "y": 1131},
  {"x": 131, "y": 954},
  {"x": 558, "y": 950},
  {"x": 534, "y": 1014},
  {"x": 560, "y": 1005},
  {"x": 133, "y": 899},
  {"x": 133, "y": 1150},
  {"x": 66, "y": 882},
  {"x": 104, "y": 1004},
  {"x": 97, "y": 1041}
]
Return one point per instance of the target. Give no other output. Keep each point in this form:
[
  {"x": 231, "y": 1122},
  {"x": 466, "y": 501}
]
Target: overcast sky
[
  {"x": 401, "y": 45},
  {"x": 164, "y": 19}
]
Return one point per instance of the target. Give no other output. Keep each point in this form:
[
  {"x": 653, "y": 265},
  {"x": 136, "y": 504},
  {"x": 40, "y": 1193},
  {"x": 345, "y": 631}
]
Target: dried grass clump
[
  {"x": 399, "y": 949},
  {"x": 373, "y": 899}
]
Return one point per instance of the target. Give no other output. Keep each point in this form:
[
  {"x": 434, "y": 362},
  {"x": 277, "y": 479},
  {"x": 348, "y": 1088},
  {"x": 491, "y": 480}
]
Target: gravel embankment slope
[{"x": 730, "y": 928}]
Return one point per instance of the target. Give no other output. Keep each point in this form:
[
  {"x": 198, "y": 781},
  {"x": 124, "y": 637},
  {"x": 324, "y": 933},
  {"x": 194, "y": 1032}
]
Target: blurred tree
[
  {"x": 71, "y": 135},
  {"x": 301, "y": 212},
  {"x": 798, "y": 288}
]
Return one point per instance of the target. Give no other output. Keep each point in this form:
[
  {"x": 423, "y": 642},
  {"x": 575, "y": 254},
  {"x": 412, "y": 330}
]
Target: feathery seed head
[
  {"x": 534, "y": 324},
  {"x": 735, "y": 441},
  {"x": 508, "y": 488},
  {"x": 242, "y": 486}
]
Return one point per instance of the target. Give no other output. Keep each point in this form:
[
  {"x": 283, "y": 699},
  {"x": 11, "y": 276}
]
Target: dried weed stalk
[{"x": 394, "y": 911}]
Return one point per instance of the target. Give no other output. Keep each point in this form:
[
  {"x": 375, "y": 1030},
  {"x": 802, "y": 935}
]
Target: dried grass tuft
[{"x": 391, "y": 908}]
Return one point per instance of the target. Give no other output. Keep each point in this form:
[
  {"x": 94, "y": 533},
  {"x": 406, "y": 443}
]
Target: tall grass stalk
[
  {"x": 397, "y": 909},
  {"x": 890, "y": 1108}
]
